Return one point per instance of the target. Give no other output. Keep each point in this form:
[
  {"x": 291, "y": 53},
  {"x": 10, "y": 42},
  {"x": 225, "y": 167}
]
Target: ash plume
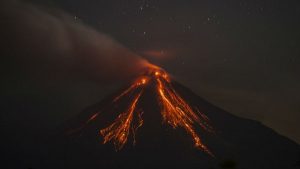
[{"x": 50, "y": 44}]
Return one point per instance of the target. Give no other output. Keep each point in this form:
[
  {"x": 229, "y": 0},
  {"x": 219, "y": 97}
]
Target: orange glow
[
  {"x": 161, "y": 54},
  {"x": 119, "y": 131},
  {"x": 92, "y": 118},
  {"x": 144, "y": 81},
  {"x": 175, "y": 111},
  {"x": 135, "y": 85}
]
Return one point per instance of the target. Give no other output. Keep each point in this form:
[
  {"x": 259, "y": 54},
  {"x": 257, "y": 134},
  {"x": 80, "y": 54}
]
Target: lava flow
[
  {"x": 175, "y": 111},
  {"x": 119, "y": 130}
]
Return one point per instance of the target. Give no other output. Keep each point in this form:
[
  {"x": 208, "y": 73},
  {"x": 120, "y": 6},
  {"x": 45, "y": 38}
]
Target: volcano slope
[{"x": 153, "y": 143}]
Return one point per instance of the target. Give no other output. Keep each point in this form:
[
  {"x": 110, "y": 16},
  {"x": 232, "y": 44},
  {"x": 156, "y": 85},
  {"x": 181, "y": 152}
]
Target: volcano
[{"x": 155, "y": 122}]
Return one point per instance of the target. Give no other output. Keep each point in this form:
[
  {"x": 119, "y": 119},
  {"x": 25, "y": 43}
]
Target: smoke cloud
[{"x": 50, "y": 44}]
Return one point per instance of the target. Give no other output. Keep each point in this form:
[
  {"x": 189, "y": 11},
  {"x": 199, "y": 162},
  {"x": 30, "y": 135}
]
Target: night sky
[{"x": 242, "y": 56}]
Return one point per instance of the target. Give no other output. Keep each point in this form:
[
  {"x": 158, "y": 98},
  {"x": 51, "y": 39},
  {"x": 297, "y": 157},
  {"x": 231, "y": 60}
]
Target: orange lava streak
[
  {"x": 177, "y": 112},
  {"x": 92, "y": 118},
  {"x": 140, "y": 81},
  {"x": 125, "y": 92},
  {"x": 139, "y": 124},
  {"x": 119, "y": 131},
  {"x": 174, "y": 110}
]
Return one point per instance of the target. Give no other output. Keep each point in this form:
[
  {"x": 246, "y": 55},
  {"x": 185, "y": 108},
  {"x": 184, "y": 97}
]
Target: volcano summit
[
  {"x": 154, "y": 122},
  {"x": 174, "y": 109}
]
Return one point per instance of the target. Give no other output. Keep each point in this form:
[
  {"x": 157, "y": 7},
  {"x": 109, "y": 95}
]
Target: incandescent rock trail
[{"x": 155, "y": 122}]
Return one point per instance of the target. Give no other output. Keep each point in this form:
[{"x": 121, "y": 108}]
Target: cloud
[{"x": 50, "y": 44}]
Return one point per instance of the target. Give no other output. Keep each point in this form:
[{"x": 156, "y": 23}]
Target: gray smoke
[{"x": 50, "y": 44}]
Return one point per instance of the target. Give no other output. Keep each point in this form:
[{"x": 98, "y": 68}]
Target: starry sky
[{"x": 241, "y": 55}]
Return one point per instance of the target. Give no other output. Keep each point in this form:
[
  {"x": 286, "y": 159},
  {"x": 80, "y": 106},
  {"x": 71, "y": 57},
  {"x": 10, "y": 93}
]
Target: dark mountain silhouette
[{"x": 245, "y": 143}]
